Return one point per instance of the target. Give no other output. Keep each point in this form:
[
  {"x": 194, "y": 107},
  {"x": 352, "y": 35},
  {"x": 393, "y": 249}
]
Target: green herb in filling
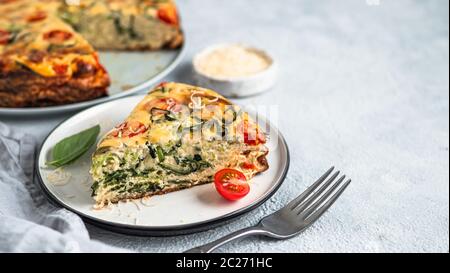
[{"x": 160, "y": 154}]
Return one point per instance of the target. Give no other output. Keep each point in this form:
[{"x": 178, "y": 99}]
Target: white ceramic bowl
[{"x": 236, "y": 86}]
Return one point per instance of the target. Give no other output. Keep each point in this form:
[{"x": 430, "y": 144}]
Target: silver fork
[{"x": 294, "y": 218}]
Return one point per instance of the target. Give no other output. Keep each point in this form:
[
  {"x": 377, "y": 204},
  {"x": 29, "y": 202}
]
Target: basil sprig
[{"x": 71, "y": 148}]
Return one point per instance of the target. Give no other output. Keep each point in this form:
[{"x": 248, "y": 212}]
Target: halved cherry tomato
[
  {"x": 252, "y": 134},
  {"x": 168, "y": 14},
  {"x": 169, "y": 104},
  {"x": 57, "y": 36},
  {"x": 129, "y": 129},
  {"x": 4, "y": 37},
  {"x": 37, "y": 16},
  {"x": 231, "y": 184}
]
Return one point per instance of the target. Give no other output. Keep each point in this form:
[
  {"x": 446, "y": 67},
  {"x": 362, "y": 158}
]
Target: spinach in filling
[{"x": 130, "y": 177}]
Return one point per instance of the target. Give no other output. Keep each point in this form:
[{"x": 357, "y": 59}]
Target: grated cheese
[
  {"x": 232, "y": 61},
  {"x": 59, "y": 177}
]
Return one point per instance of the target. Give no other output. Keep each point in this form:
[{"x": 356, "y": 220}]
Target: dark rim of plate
[{"x": 161, "y": 231}]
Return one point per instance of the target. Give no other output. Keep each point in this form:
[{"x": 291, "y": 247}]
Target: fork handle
[{"x": 209, "y": 247}]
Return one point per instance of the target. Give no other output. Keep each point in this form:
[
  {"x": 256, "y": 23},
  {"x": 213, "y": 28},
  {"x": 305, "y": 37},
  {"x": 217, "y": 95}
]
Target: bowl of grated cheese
[{"x": 235, "y": 70}]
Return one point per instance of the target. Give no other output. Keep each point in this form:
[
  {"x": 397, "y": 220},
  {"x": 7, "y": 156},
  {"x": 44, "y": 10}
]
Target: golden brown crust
[
  {"x": 264, "y": 165},
  {"x": 40, "y": 96},
  {"x": 177, "y": 41},
  {"x": 24, "y": 88}
]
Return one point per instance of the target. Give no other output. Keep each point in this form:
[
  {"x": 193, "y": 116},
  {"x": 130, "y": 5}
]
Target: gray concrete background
[{"x": 363, "y": 85}]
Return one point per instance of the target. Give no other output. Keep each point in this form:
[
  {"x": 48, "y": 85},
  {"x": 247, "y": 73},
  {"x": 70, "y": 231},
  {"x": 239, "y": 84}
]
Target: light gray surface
[{"x": 364, "y": 87}]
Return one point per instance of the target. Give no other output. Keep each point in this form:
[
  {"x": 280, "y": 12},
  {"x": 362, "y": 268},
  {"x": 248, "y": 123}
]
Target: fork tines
[{"x": 312, "y": 203}]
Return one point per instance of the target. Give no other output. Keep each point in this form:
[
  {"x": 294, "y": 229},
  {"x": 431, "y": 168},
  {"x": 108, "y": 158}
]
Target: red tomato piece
[
  {"x": 60, "y": 69},
  {"x": 57, "y": 36},
  {"x": 37, "y": 16},
  {"x": 98, "y": 64},
  {"x": 169, "y": 104},
  {"x": 168, "y": 14},
  {"x": 129, "y": 129},
  {"x": 248, "y": 166},
  {"x": 252, "y": 134},
  {"x": 162, "y": 84},
  {"x": 231, "y": 184},
  {"x": 4, "y": 37}
]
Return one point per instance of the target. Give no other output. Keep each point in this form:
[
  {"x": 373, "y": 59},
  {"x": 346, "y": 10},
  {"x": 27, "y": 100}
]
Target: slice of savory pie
[
  {"x": 43, "y": 61},
  {"x": 177, "y": 137}
]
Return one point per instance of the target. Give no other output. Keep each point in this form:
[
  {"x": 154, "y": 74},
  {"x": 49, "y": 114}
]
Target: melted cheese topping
[
  {"x": 31, "y": 36},
  {"x": 47, "y": 67},
  {"x": 160, "y": 133}
]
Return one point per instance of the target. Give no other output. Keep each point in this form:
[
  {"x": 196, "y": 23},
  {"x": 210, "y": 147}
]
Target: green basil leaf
[{"x": 71, "y": 148}]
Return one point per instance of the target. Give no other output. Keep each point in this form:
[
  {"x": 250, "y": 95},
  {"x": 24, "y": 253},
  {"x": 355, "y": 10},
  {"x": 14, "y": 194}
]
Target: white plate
[
  {"x": 130, "y": 73},
  {"x": 185, "y": 211}
]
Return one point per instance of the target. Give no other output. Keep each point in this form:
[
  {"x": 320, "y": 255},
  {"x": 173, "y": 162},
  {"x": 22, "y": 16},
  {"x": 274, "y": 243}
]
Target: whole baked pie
[{"x": 48, "y": 47}]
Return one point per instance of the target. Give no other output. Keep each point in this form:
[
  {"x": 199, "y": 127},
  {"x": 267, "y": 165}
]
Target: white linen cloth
[{"x": 28, "y": 222}]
